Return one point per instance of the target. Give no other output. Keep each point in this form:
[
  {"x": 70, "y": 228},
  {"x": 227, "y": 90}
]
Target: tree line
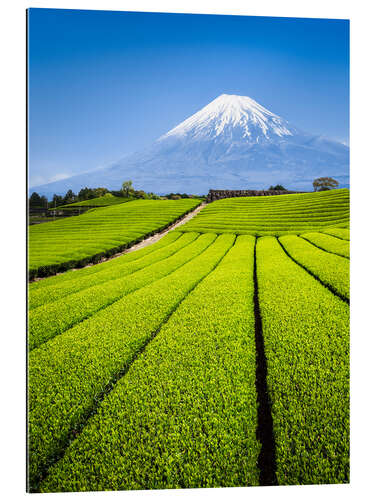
[
  {"x": 127, "y": 191},
  {"x": 37, "y": 201},
  {"x": 320, "y": 184}
]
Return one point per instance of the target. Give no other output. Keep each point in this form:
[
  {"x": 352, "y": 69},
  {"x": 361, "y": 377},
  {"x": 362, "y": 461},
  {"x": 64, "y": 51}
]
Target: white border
[{"x": 12, "y": 246}]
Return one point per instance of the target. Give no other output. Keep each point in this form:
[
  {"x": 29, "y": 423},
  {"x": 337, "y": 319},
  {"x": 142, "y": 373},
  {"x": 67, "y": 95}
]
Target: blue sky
[{"x": 105, "y": 84}]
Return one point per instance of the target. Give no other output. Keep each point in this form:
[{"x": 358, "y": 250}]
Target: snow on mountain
[
  {"x": 232, "y": 143},
  {"x": 231, "y": 117}
]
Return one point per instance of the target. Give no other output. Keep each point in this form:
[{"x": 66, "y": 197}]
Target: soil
[{"x": 158, "y": 236}]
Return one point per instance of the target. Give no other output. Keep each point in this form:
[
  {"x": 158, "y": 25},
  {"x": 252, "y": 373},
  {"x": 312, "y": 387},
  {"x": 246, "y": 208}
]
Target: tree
[
  {"x": 70, "y": 197},
  {"x": 44, "y": 202},
  {"x": 83, "y": 194},
  {"x": 56, "y": 201},
  {"x": 86, "y": 194},
  {"x": 100, "y": 192},
  {"x": 126, "y": 188},
  {"x": 278, "y": 187},
  {"x": 325, "y": 184},
  {"x": 35, "y": 200},
  {"x": 140, "y": 194}
]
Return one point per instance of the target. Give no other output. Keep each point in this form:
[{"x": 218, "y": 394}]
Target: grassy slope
[
  {"x": 274, "y": 215},
  {"x": 66, "y": 243},
  {"x": 103, "y": 201}
]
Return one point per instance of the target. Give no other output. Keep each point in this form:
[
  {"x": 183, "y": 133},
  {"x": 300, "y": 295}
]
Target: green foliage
[
  {"x": 126, "y": 188},
  {"x": 331, "y": 269},
  {"x": 57, "y": 200},
  {"x": 70, "y": 197},
  {"x": 177, "y": 196},
  {"x": 329, "y": 243},
  {"x": 38, "y": 295},
  {"x": 36, "y": 201},
  {"x": 338, "y": 232},
  {"x": 73, "y": 241},
  {"x": 278, "y": 187},
  {"x": 325, "y": 184},
  {"x": 273, "y": 215},
  {"x": 79, "y": 299},
  {"x": 100, "y": 191},
  {"x": 86, "y": 194},
  {"x": 67, "y": 374},
  {"x": 306, "y": 336},
  {"x": 142, "y": 368},
  {"x": 188, "y": 403},
  {"x": 103, "y": 201}
]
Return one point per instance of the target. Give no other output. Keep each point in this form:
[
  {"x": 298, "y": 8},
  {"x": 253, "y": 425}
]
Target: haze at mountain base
[{"x": 232, "y": 143}]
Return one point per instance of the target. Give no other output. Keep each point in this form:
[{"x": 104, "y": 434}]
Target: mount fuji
[{"x": 232, "y": 143}]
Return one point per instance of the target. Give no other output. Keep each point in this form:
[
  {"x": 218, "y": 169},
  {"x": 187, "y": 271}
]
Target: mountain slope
[{"x": 232, "y": 143}]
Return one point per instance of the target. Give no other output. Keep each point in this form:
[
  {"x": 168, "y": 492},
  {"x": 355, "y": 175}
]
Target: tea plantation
[
  {"x": 102, "y": 201},
  {"x": 275, "y": 215},
  {"x": 218, "y": 356},
  {"x": 100, "y": 232}
]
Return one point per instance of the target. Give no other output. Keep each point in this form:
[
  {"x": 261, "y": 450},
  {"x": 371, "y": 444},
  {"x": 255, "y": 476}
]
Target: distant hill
[{"x": 103, "y": 201}]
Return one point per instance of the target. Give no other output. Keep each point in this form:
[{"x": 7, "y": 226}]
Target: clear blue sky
[{"x": 105, "y": 84}]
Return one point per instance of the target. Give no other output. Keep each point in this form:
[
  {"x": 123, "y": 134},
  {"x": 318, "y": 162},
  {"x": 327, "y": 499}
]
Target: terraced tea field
[
  {"x": 100, "y": 232},
  {"x": 211, "y": 358},
  {"x": 275, "y": 215}
]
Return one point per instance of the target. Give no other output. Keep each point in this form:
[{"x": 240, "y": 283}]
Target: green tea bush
[
  {"x": 185, "y": 414},
  {"x": 68, "y": 373},
  {"x": 273, "y": 215},
  {"x": 339, "y": 232},
  {"x": 115, "y": 269},
  {"x": 53, "y": 318},
  {"x": 331, "y": 269},
  {"x": 108, "y": 264},
  {"x": 306, "y": 337},
  {"x": 329, "y": 243},
  {"x": 77, "y": 241}
]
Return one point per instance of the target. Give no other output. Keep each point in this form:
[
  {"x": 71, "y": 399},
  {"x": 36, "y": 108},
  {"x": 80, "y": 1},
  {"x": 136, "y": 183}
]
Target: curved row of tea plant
[
  {"x": 338, "y": 232},
  {"x": 73, "y": 274},
  {"x": 76, "y": 241},
  {"x": 306, "y": 337},
  {"x": 331, "y": 269},
  {"x": 110, "y": 270},
  {"x": 185, "y": 414},
  {"x": 276, "y": 215},
  {"x": 329, "y": 243},
  {"x": 68, "y": 373},
  {"x": 49, "y": 320}
]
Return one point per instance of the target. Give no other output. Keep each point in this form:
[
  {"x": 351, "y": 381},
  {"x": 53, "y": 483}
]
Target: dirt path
[
  {"x": 141, "y": 244},
  {"x": 159, "y": 236}
]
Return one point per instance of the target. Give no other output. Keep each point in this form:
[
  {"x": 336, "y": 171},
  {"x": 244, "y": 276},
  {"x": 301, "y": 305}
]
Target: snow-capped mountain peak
[
  {"x": 232, "y": 143},
  {"x": 232, "y": 117}
]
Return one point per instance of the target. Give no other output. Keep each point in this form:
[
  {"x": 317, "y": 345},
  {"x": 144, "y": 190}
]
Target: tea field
[
  {"x": 218, "y": 356},
  {"x": 275, "y": 215},
  {"x": 100, "y": 232},
  {"x": 106, "y": 200}
]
